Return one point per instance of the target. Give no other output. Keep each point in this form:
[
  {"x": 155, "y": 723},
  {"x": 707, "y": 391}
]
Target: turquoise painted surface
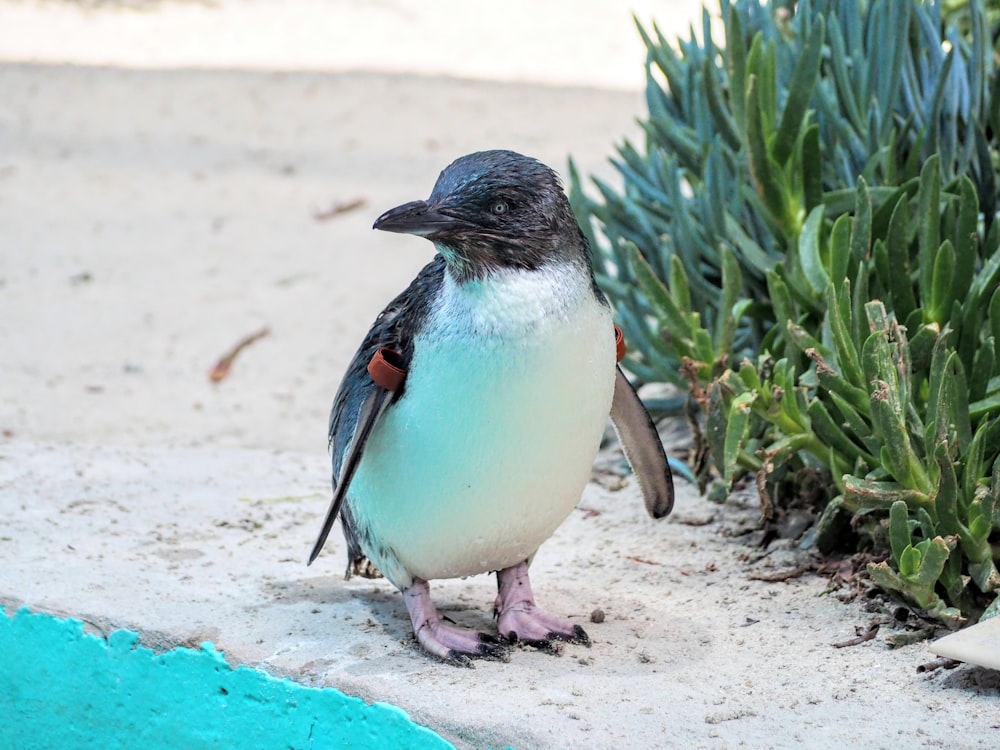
[{"x": 63, "y": 688}]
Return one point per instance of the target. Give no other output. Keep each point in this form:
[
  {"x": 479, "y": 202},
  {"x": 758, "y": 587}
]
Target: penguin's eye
[{"x": 499, "y": 208}]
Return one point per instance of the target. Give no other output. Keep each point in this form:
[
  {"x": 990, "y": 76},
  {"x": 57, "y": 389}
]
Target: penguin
[{"x": 466, "y": 426}]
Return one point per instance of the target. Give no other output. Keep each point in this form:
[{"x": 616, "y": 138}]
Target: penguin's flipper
[
  {"x": 371, "y": 409},
  {"x": 642, "y": 447},
  {"x": 361, "y": 401}
]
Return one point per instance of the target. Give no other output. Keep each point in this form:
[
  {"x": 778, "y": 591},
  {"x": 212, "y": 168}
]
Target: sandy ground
[{"x": 156, "y": 210}]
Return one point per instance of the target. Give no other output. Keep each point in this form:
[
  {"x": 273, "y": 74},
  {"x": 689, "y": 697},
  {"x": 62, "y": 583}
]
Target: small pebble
[{"x": 597, "y": 616}]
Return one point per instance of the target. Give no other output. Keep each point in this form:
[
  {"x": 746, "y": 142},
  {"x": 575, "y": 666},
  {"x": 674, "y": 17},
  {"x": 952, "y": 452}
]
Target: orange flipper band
[
  {"x": 385, "y": 368},
  {"x": 619, "y": 343}
]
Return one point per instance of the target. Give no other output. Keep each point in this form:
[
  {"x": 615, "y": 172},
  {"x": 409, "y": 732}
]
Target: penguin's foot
[
  {"x": 451, "y": 643},
  {"x": 520, "y": 620}
]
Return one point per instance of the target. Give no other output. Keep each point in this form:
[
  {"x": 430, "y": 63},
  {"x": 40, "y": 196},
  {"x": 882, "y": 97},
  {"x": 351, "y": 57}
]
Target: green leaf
[
  {"x": 753, "y": 255},
  {"x": 721, "y": 119},
  {"x": 888, "y": 407},
  {"x": 976, "y": 545},
  {"x": 749, "y": 375},
  {"x": 862, "y": 495},
  {"x": 856, "y": 406},
  {"x": 935, "y": 554},
  {"x": 947, "y": 404},
  {"x": 680, "y": 291},
  {"x": 800, "y": 92},
  {"x": 929, "y": 234},
  {"x": 966, "y": 239},
  {"x": 942, "y": 279},
  {"x": 805, "y": 341},
  {"x": 812, "y": 168},
  {"x": 946, "y": 497},
  {"x": 781, "y": 300},
  {"x": 985, "y": 575},
  {"x": 841, "y": 64},
  {"x": 922, "y": 344},
  {"x": 900, "y": 283},
  {"x": 940, "y": 355},
  {"x": 768, "y": 179},
  {"x": 994, "y": 318},
  {"x": 726, "y": 319},
  {"x": 985, "y": 282},
  {"x": 839, "y": 317},
  {"x": 861, "y": 228},
  {"x": 736, "y": 66},
  {"x": 830, "y": 433},
  {"x": 982, "y": 367},
  {"x": 658, "y": 296},
  {"x": 975, "y": 463},
  {"x": 703, "y": 349},
  {"x": 809, "y": 251},
  {"x": 909, "y": 561},
  {"x": 716, "y": 421},
  {"x": 799, "y": 289},
  {"x": 840, "y": 249},
  {"x": 880, "y": 261},
  {"x": 736, "y": 431},
  {"x": 899, "y": 532},
  {"x": 860, "y": 298},
  {"x": 986, "y": 406}
]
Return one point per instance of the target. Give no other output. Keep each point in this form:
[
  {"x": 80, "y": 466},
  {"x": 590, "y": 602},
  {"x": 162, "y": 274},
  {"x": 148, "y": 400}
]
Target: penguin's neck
[{"x": 512, "y": 302}]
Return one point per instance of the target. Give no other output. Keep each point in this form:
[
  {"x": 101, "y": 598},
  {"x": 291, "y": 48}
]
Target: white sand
[
  {"x": 154, "y": 212},
  {"x": 555, "y": 42}
]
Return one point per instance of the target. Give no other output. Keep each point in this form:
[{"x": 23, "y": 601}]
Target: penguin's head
[{"x": 494, "y": 210}]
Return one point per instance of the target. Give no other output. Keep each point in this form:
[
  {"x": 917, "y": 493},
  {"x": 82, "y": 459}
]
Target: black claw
[
  {"x": 494, "y": 652},
  {"x": 578, "y": 635},
  {"x": 491, "y": 647},
  {"x": 549, "y": 644},
  {"x": 460, "y": 659}
]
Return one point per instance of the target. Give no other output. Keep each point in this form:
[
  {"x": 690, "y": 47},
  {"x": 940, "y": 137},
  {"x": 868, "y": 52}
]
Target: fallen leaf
[{"x": 225, "y": 364}]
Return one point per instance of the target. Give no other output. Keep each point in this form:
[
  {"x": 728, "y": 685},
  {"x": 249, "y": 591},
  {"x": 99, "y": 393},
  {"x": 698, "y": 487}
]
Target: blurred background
[{"x": 176, "y": 177}]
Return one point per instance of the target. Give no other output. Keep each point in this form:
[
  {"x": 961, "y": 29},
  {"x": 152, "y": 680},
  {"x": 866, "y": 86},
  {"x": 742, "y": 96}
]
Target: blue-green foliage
[
  {"x": 745, "y": 138},
  {"x": 807, "y": 242}
]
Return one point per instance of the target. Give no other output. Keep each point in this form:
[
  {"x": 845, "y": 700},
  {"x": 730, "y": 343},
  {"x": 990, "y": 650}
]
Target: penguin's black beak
[{"x": 417, "y": 217}]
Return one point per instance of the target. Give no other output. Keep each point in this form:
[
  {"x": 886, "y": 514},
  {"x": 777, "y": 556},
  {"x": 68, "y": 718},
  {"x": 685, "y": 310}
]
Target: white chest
[{"x": 489, "y": 449}]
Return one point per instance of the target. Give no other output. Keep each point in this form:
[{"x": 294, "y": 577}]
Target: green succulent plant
[{"x": 806, "y": 243}]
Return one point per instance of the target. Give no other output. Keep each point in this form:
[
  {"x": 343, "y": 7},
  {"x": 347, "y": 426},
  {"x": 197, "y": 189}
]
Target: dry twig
[
  {"x": 225, "y": 364},
  {"x": 783, "y": 575},
  {"x": 861, "y": 637},
  {"x": 942, "y": 662},
  {"x": 633, "y": 558},
  {"x": 336, "y": 209}
]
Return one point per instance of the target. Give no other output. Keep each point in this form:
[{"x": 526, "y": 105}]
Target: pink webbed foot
[
  {"x": 448, "y": 642},
  {"x": 520, "y": 619}
]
